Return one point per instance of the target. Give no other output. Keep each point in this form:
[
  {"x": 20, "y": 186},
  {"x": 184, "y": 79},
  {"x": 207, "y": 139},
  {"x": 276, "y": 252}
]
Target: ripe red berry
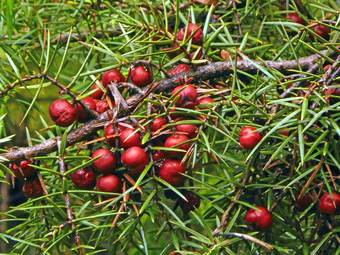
[
  {"x": 187, "y": 95},
  {"x": 112, "y": 76},
  {"x": 284, "y": 132},
  {"x": 260, "y": 217},
  {"x": 329, "y": 203},
  {"x": 171, "y": 171},
  {"x": 62, "y": 112},
  {"x": 332, "y": 94},
  {"x": 110, "y": 134},
  {"x": 158, "y": 123},
  {"x": 33, "y": 188},
  {"x": 106, "y": 163},
  {"x": 23, "y": 170},
  {"x": 192, "y": 203},
  {"x": 193, "y": 30},
  {"x": 129, "y": 137},
  {"x": 141, "y": 75},
  {"x": 158, "y": 155},
  {"x": 97, "y": 91},
  {"x": 180, "y": 69},
  {"x": 83, "y": 114},
  {"x": 135, "y": 158},
  {"x": 84, "y": 178},
  {"x": 205, "y": 101},
  {"x": 188, "y": 129},
  {"x": 293, "y": 16},
  {"x": 177, "y": 141},
  {"x": 109, "y": 183},
  {"x": 249, "y": 137},
  {"x": 304, "y": 201},
  {"x": 321, "y": 30},
  {"x": 101, "y": 106}
]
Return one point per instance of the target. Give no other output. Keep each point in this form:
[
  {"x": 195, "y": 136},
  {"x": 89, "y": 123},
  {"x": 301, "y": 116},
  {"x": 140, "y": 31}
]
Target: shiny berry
[
  {"x": 249, "y": 137},
  {"x": 187, "y": 95},
  {"x": 193, "y": 30},
  {"x": 205, "y": 101},
  {"x": 321, "y": 30},
  {"x": 177, "y": 141},
  {"x": 294, "y": 17},
  {"x": 158, "y": 123},
  {"x": 329, "y": 203},
  {"x": 109, "y": 183},
  {"x": 110, "y": 134},
  {"x": 180, "y": 69},
  {"x": 135, "y": 158},
  {"x": 187, "y": 129},
  {"x": 97, "y": 92},
  {"x": 23, "y": 170},
  {"x": 158, "y": 155},
  {"x": 171, "y": 171},
  {"x": 84, "y": 178},
  {"x": 112, "y": 76},
  {"x": 33, "y": 188},
  {"x": 106, "y": 163},
  {"x": 192, "y": 203},
  {"x": 260, "y": 217},
  {"x": 129, "y": 137},
  {"x": 83, "y": 114},
  {"x": 62, "y": 112},
  {"x": 141, "y": 75}
]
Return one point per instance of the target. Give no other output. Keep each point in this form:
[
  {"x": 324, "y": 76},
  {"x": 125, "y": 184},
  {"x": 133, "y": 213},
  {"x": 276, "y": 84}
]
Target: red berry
[
  {"x": 193, "y": 201},
  {"x": 110, "y": 134},
  {"x": 193, "y": 30},
  {"x": 284, "y": 132},
  {"x": 109, "y": 183},
  {"x": 331, "y": 94},
  {"x": 112, "y": 76},
  {"x": 171, "y": 171},
  {"x": 204, "y": 101},
  {"x": 141, "y": 75},
  {"x": 321, "y": 30},
  {"x": 329, "y": 203},
  {"x": 23, "y": 170},
  {"x": 129, "y": 137},
  {"x": 83, "y": 115},
  {"x": 33, "y": 188},
  {"x": 62, "y": 112},
  {"x": 260, "y": 217},
  {"x": 98, "y": 92},
  {"x": 180, "y": 69},
  {"x": 177, "y": 141},
  {"x": 106, "y": 163},
  {"x": 158, "y": 123},
  {"x": 84, "y": 178},
  {"x": 158, "y": 155},
  {"x": 187, "y": 95},
  {"x": 101, "y": 106},
  {"x": 188, "y": 129},
  {"x": 293, "y": 16},
  {"x": 249, "y": 137},
  {"x": 304, "y": 201},
  {"x": 135, "y": 158}
]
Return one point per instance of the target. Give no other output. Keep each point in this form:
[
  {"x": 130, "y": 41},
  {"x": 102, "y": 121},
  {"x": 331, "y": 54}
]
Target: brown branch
[
  {"x": 67, "y": 199},
  {"x": 210, "y": 71}
]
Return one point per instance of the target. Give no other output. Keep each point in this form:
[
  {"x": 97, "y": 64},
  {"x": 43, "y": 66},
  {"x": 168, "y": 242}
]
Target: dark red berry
[
  {"x": 129, "y": 137},
  {"x": 192, "y": 203},
  {"x": 110, "y": 134},
  {"x": 83, "y": 114},
  {"x": 260, "y": 217},
  {"x": 135, "y": 158},
  {"x": 158, "y": 123},
  {"x": 97, "y": 91},
  {"x": 329, "y": 203},
  {"x": 187, "y": 129},
  {"x": 205, "y": 101},
  {"x": 180, "y": 69},
  {"x": 249, "y": 137},
  {"x": 193, "y": 30},
  {"x": 141, "y": 75},
  {"x": 106, "y": 163},
  {"x": 293, "y": 16},
  {"x": 158, "y": 155},
  {"x": 84, "y": 178},
  {"x": 112, "y": 76},
  {"x": 62, "y": 112},
  {"x": 321, "y": 30},
  {"x": 109, "y": 183},
  {"x": 187, "y": 95},
  {"x": 332, "y": 94},
  {"x": 33, "y": 188},
  {"x": 171, "y": 171},
  {"x": 24, "y": 169},
  {"x": 177, "y": 141},
  {"x": 102, "y": 106},
  {"x": 304, "y": 201}
]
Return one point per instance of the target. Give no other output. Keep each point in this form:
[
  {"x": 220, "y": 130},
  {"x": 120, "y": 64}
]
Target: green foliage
[{"x": 36, "y": 40}]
